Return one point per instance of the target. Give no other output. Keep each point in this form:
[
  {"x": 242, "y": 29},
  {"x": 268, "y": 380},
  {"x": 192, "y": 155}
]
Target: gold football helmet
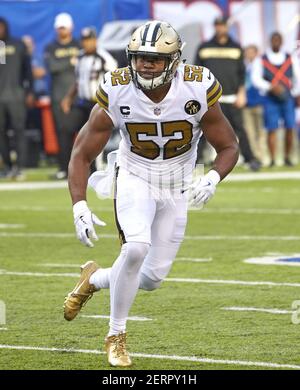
[{"x": 157, "y": 39}]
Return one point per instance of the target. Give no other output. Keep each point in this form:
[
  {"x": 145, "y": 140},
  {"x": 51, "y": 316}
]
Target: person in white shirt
[
  {"x": 277, "y": 75},
  {"x": 91, "y": 65}
]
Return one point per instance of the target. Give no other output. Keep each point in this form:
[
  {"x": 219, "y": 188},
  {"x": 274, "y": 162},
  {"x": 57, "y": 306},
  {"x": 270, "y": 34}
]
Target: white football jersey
[{"x": 159, "y": 140}]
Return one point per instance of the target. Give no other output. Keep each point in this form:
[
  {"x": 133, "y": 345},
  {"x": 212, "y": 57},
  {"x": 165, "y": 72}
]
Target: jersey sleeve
[
  {"x": 213, "y": 87},
  {"x": 102, "y": 97}
]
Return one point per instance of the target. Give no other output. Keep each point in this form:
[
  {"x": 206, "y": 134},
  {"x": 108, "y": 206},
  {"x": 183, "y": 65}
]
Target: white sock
[
  {"x": 100, "y": 278},
  {"x": 124, "y": 284},
  {"x": 116, "y": 326}
]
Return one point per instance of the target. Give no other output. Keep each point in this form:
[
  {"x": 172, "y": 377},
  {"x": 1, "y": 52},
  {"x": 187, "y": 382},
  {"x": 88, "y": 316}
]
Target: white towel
[{"x": 102, "y": 181}]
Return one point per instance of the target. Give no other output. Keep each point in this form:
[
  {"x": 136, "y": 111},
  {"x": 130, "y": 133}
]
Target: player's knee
[
  {"x": 136, "y": 253},
  {"x": 148, "y": 284}
]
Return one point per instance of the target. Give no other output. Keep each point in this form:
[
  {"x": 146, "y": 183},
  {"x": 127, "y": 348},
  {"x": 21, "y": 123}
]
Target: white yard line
[
  {"x": 258, "y": 176},
  {"x": 38, "y": 185},
  {"x": 262, "y": 310},
  {"x": 236, "y": 282},
  {"x": 210, "y": 210},
  {"x": 134, "y": 318},
  {"x": 49, "y": 235},
  {"x": 178, "y": 259},
  {"x": 159, "y": 357},
  {"x": 178, "y": 280},
  {"x": 275, "y": 260},
  {"x": 3, "y": 328},
  {"x": 49, "y": 209},
  {"x": 241, "y": 238},
  {"x": 114, "y": 236},
  {"x": 30, "y": 208},
  {"x": 59, "y": 265},
  {"x": 12, "y": 226},
  {"x": 236, "y": 210},
  {"x": 39, "y": 274},
  {"x": 242, "y": 190},
  {"x": 194, "y": 260},
  {"x": 234, "y": 177}
]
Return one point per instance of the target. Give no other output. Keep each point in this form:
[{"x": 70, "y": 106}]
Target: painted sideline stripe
[
  {"x": 179, "y": 280},
  {"x": 114, "y": 236},
  {"x": 262, "y": 310},
  {"x": 134, "y": 318},
  {"x": 162, "y": 357}
]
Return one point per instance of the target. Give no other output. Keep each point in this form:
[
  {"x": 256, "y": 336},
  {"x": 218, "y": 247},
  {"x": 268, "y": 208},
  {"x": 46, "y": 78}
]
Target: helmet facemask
[{"x": 158, "y": 79}]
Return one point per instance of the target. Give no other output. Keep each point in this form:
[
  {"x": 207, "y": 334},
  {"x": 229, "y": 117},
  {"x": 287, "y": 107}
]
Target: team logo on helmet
[{"x": 192, "y": 107}]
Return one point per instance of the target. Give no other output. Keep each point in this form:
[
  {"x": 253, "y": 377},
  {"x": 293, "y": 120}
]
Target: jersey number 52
[{"x": 151, "y": 150}]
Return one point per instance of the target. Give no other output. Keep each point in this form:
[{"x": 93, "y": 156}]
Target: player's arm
[
  {"x": 219, "y": 133},
  {"x": 89, "y": 143}
]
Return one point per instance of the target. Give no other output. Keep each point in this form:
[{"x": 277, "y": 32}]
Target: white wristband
[
  {"x": 213, "y": 176},
  {"x": 79, "y": 208}
]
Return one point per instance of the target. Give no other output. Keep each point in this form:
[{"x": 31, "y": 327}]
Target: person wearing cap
[
  {"x": 61, "y": 57},
  {"x": 224, "y": 57},
  {"x": 80, "y": 99}
]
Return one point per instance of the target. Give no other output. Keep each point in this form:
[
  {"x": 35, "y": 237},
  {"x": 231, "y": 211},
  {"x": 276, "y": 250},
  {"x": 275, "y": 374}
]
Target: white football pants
[{"x": 151, "y": 224}]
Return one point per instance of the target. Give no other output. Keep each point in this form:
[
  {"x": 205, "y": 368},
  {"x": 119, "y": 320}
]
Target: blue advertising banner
[{"x": 36, "y": 17}]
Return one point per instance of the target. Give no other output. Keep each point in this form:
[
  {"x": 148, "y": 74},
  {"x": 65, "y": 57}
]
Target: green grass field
[{"x": 189, "y": 326}]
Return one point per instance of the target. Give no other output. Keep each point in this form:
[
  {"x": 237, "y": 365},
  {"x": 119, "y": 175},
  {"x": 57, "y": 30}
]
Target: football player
[{"x": 162, "y": 107}]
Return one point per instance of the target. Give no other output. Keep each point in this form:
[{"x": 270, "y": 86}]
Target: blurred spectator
[
  {"x": 90, "y": 69},
  {"x": 33, "y": 118},
  {"x": 37, "y": 66},
  {"x": 15, "y": 92},
  {"x": 224, "y": 58},
  {"x": 253, "y": 112},
  {"x": 276, "y": 74},
  {"x": 61, "y": 58}
]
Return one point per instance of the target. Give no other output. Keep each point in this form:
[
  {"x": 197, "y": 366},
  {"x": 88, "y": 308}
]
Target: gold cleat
[
  {"x": 116, "y": 351},
  {"x": 82, "y": 292}
]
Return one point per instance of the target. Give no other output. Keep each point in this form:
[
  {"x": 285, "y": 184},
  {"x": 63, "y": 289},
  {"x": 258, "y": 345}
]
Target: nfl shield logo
[{"x": 157, "y": 111}]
